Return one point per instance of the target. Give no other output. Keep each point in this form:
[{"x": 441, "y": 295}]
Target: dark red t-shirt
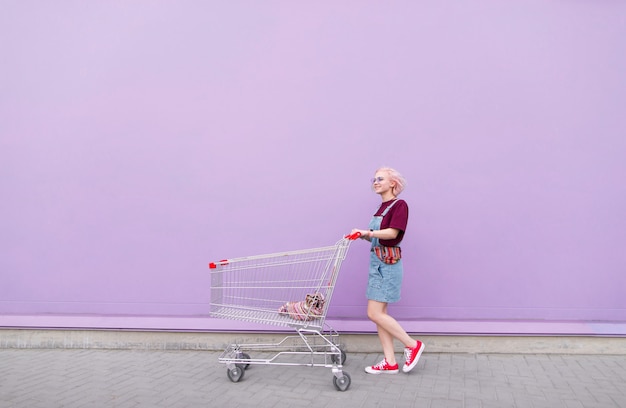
[{"x": 397, "y": 217}]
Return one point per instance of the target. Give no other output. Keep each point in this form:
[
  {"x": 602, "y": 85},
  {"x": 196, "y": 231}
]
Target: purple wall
[{"x": 141, "y": 140}]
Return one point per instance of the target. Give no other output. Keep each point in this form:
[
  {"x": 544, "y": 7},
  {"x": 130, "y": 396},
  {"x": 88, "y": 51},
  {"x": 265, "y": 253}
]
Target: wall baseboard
[{"x": 366, "y": 343}]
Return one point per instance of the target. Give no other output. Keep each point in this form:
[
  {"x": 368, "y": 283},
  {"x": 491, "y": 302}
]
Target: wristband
[{"x": 371, "y": 233}]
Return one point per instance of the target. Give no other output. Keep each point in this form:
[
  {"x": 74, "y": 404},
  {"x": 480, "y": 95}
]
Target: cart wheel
[
  {"x": 342, "y": 383},
  {"x": 339, "y": 360},
  {"x": 245, "y": 356},
  {"x": 236, "y": 374}
]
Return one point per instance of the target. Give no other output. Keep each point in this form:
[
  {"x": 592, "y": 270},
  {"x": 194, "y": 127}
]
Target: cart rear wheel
[
  {"x": 337, "y": 359},
  {"x": 236, "y": 374},
  {"x": 342, "y": 383}
]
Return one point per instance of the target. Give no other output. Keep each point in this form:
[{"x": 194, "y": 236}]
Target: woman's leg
[
  {"x": 388, "y": 329},
  {"x": 386, "y": 339}
]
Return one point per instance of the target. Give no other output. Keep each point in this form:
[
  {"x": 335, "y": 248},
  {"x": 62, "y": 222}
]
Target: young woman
[{"x": 385, "y": 232}]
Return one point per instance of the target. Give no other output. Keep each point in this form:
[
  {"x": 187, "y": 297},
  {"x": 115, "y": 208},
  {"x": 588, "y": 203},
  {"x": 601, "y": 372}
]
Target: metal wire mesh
[{"x": 254, "y": 288}]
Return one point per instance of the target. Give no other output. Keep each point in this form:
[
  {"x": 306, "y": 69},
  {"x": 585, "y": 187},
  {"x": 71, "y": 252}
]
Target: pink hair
[{"x": 395, "y": 175}]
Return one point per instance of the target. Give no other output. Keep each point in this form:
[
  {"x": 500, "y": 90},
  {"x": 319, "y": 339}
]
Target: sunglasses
[{"x": 377, "y": 179}]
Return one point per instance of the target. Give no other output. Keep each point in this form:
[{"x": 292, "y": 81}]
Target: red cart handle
[
  {"x": 354, "y": 236},
  {"x": 214, "y": 265}
]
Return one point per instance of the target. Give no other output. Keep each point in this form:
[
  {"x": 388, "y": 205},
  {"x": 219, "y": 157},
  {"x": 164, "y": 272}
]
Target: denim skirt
[{"x": 384, "y": 282}]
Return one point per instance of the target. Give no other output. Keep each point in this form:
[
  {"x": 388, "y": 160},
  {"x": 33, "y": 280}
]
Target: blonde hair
[{"x": 395, "y": 175}]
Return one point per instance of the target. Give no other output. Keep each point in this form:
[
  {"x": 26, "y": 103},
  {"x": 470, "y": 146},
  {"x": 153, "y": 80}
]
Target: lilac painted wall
[{"x": 141, "y": 140}]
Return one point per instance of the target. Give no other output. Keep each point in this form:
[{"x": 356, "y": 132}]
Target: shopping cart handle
[
  {"x": 353, "y": 236},
  {"x": 214, "y": 265}
]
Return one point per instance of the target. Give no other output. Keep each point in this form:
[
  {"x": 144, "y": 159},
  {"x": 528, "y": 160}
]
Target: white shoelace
[
  {"x": 407, "y": 354},
  {"x": 381, "y": 365}
]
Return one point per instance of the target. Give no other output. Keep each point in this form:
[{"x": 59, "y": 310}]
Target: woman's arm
[{"x": 387, "y": 233}]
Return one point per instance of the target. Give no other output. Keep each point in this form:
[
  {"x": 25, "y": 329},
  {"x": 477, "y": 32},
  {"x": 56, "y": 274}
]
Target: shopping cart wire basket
[{"x": 288, "y": 289}]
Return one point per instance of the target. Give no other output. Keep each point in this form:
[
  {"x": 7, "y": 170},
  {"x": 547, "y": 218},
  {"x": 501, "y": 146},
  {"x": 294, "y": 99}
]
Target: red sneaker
[
  {"x": 382, "y": 368},
  {"x": 412, "y": 356}
]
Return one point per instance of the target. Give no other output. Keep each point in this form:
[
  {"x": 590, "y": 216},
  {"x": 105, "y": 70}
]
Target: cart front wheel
[
  {"x": 236, "y": 374},
  {"x": 342, "y": 383},
  {"x": 245, "y": 356}
]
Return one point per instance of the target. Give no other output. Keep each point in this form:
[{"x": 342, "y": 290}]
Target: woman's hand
[
  {"x": 387, "y": 233},
  {"x": 363, "y": 233}
]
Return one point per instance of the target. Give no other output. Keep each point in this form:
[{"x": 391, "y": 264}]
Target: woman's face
[{"x": 381, "y": 183}]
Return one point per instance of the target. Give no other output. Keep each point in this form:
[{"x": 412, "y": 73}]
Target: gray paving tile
[{"x": 31, "y": 378}]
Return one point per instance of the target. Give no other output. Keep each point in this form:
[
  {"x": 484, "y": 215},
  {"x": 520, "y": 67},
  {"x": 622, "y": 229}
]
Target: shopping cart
[{"x": 288, "y": 289}]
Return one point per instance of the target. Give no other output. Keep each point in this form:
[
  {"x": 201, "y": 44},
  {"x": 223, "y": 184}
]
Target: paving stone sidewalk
[{"x": 51, "y": 378}]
